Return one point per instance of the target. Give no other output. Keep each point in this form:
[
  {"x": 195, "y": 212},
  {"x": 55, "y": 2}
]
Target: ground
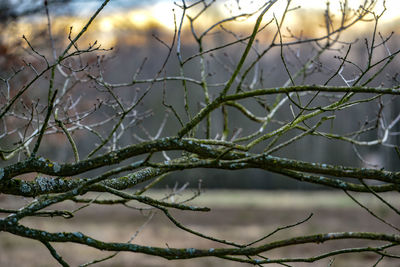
[{"x": 240, "y": 216}]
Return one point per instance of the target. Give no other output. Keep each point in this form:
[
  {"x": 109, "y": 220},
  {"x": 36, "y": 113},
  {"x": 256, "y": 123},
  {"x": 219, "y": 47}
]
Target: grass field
[{"x": 240, "y": 216}]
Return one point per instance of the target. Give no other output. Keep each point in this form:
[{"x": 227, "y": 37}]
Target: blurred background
[{"x": 134, "y": 30}]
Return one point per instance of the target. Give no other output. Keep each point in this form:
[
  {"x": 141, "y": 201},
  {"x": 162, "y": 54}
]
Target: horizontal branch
[
  {"x": 314, "y": 88},
  {"x": 312, "y": 258},
  {"x": 275, "y": 168},
  {"x": 45, "y": 166},
  {"x": 188, "y": 253},
  {"x": 213, "y": 156},
  {"x": 48, "y": 185},
  {"x": 154, "y": 80}
]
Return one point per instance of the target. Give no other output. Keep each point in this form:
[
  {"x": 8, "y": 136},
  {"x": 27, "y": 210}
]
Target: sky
[
  {"x": 142, "y": 15},
  {"x": 161, "y": 10}
]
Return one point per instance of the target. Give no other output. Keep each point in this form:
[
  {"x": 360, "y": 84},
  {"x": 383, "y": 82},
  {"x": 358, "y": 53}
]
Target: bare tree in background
[{"x": 61, "y": 96}]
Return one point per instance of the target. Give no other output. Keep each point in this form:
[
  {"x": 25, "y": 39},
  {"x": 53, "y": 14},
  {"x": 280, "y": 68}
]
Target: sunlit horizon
[{"x": 164, "y": 15}]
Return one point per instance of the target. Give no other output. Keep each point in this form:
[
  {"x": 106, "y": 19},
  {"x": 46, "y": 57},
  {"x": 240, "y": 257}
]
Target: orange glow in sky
[
  {"x": 161, "y": 15},
  {"x": 162, "y": 12},
  {"x": 139, "y": 18}
]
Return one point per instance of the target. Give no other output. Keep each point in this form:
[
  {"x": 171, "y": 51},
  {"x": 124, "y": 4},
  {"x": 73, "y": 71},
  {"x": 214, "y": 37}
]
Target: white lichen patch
[
  {"x": 46, "y": 184},
  {"x": 56, "y": 167},
  {"x": 42, "y": 183},
  {"x": 191, "y": 250},
  {"x": 78, "y": 234},
  {"x": 25, "y": 188}
]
